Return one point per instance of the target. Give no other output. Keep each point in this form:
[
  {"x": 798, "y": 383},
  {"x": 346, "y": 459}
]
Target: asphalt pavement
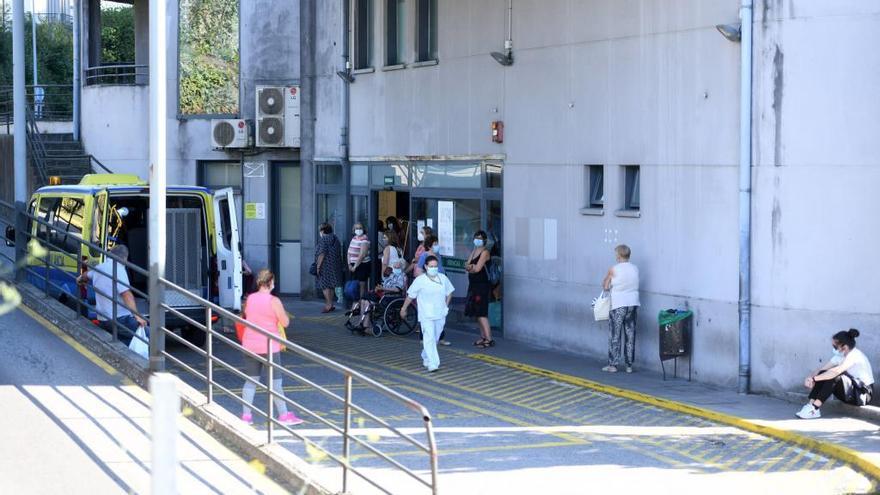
[
  {"x": 506, "y": 431},
  {"x": 72, "y": 424}
]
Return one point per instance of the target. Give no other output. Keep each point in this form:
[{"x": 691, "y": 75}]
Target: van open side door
[{"x": 228, "y": 254}]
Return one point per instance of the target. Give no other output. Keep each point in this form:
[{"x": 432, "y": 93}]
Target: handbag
[
  {"x": 283, "y": 334},
  {"x": 602, "y": 307},
  {"x": 139, "y": 344},
  {"x": 352, "y": 290},
  {"x": 313, "y": 270}
]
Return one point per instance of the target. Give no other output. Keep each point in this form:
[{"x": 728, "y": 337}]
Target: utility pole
[
  {"x": 34, "y": 39},
  {"x": 158, "y": 152}
]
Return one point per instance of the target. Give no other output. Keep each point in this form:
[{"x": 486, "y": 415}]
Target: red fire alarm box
[{"x": 497, "y": 131}]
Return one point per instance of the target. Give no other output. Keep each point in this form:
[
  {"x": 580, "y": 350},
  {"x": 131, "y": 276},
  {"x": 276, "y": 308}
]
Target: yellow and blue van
[{"x": 203, "y": 250}]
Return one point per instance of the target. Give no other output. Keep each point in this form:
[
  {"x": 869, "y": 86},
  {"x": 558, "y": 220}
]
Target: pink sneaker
[
  {"x": 289, "y": 419},
  {"x": 247, "y": 418}
]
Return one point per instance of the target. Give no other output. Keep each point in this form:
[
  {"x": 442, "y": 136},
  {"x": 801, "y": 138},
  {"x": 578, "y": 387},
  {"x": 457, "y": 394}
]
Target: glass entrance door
[{"x": 286, "y": 227}]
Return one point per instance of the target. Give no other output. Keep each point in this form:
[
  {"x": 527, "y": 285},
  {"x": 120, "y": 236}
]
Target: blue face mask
[
  {"x": 433, "y": 270},
  {"x": 838, "y": 353},
  {"x": 397, "y": 271},
  {"x": 478, "y": 242}
]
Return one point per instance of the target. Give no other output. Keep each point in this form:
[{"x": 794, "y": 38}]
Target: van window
[
  {"x": 66, "y": 216},
  {"x": 225, "y": 223}
]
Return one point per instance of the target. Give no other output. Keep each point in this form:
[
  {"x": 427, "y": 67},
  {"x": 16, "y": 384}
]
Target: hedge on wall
[{"x": 208, "y": 57}]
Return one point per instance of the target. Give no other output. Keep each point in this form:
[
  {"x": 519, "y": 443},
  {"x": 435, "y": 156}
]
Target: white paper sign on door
[{"x": 446, "y": 227}]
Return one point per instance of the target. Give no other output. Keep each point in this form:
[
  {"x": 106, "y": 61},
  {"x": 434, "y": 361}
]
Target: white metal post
[
  {"x": 158, "y": 154},
  {"x": 19, "y": 101},
  {"x": 77, "y": 52},
  {"x": 166, "y": 406}
]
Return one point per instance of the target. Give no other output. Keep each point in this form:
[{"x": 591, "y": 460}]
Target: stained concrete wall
[
  {"x": 613, "y": 83},
  {"x": 115, "y": 118}
]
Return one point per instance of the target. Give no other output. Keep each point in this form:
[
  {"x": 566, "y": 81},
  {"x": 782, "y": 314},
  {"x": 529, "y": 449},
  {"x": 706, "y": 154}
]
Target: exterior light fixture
[
  {"x": 732, "y": 32},
  {"x": 345, "y": 75}
]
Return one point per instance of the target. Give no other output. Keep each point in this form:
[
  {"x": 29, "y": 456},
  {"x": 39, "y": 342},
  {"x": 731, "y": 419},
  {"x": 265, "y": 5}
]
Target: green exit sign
[{"x": 389, "y": 180}]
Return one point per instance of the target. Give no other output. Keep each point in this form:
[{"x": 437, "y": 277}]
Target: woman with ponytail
[{"x": 847, "y": 375}]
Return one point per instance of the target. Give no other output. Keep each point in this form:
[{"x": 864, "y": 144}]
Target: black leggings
[{"x": 842, "y": 387}]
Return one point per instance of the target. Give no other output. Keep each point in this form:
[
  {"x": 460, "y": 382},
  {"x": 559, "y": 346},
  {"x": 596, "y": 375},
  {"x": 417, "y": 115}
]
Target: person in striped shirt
[{"x": 359, "y": 262}]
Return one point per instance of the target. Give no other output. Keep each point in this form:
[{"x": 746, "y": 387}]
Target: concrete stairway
[{"x": 63, "y": 157}]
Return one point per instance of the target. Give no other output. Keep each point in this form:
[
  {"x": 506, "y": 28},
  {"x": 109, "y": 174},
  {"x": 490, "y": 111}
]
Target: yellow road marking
[
  {"x": 469, "y": 450},
  {"x": 839, "y": 452},
  {"x": 91, "y": 356}
]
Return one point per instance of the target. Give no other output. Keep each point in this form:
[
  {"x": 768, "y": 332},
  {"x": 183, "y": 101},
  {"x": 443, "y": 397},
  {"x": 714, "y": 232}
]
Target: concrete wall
[
  {"x": 115, "y": 118},
  {"x": 614, "y": 83},
  {"x": 816, "y": 156}
]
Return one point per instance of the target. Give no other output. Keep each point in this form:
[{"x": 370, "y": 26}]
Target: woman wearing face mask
[
  {"x": 328, "y": 262},
  {"x": 847, "y": 375},
  {"x": 359, "y": 257},
  {"x": 265, "y": 311},
  {"x": 431, "y": 247},
  {"x": 392, "y": 283},
  {"x": 433, "y": 292},
  {"x": 479, "y": 289},
  {"x": 392, "y": 251},
  {"x": 414, "y": 267}
]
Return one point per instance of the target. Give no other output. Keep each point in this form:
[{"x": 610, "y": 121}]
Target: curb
[
  {"x": 840, "y": 453},
  {"x": 282, "y": 466}
]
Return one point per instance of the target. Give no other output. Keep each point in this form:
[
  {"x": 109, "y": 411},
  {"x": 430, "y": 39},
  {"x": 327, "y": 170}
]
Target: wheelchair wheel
[
  {"x": 377, "y": 329},
  {"x": 397, "y": 325}
]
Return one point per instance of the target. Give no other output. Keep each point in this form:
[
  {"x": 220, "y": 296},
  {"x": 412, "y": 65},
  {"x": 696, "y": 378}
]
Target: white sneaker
[
  {"x": 808, "y": 412},
  {"x": 629, "y": 369},
  {"x": 444, "y": 342},
  {"x": 610, "y": 369}
]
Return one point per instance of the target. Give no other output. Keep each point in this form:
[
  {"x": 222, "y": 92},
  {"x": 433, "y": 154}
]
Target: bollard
[{"x": 166, "y": 406}]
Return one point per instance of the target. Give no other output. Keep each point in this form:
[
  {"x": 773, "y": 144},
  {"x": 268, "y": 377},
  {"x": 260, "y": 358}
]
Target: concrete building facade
[{"x": 620, "y": 125}]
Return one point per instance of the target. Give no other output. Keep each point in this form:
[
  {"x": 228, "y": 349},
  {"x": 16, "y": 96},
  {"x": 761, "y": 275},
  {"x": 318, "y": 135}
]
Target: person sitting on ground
[{"x": 847, "y": 375}]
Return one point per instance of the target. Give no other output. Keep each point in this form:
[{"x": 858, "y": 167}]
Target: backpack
[
  {"x": 493, "y": 270},
  {"x": 352, "y": 290}
]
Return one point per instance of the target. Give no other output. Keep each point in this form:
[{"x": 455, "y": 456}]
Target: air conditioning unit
[
  {"x": 229, "y": 133},
  {"x": 278, "y": 117}
]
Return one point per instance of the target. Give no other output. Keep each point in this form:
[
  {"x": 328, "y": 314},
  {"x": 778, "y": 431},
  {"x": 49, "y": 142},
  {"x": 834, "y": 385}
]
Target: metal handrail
[
  {"x": 124, "y": 74},
  {"x": 94, "y": 161},
  {"x": 212, "y": 361}
]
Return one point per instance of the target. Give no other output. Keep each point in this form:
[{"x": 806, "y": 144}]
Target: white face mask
[
  {"x": 359, "y": 232},
  {"x": 433, "y": 271},
  {"x": 421, "y": 237},
  {"x": 435, "y": 247}
]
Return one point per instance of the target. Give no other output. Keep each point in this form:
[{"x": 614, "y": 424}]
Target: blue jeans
[{"x": 126, "y": 328}]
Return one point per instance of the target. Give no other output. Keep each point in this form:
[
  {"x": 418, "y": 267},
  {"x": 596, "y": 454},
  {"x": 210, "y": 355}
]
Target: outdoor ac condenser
[
  {"x": 229, "y": 133},
  {"x": 278, "y": 117}
]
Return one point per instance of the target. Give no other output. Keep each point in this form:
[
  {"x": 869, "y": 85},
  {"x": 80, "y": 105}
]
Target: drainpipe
[
  {"x": 344, "y": 130},
  {"x": 19, "y": 102},
  {"x": 745, "y": 199}
]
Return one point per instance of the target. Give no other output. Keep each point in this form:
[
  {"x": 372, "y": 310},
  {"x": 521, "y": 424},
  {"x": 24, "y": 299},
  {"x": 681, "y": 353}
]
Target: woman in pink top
[
  {"x": 413, "y": 268},
  {"x": 266, "y": 312}
]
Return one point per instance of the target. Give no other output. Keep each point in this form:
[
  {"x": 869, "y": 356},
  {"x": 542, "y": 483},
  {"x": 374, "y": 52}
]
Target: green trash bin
[{"x": 675, "y": 335}]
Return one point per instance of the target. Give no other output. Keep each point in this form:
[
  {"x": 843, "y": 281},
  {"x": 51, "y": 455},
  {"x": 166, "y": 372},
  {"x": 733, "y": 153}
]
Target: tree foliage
[
  {"x": 117, "y": 35},
  {"x": 208, "y": 57}
]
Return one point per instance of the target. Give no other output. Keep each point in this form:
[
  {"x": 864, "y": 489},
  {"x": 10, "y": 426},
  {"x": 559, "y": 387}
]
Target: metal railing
[
  {"x": 48, "y": 102},
  {"x": 53, "y": 259},
  {"x": 58, "y": 265},
  {"x": 120, "y": 74}
]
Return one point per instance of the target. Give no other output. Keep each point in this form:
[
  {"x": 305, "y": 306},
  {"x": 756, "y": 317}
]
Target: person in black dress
[
  {"x": 479, "y": 289},
  {"x": 328, "y": 261}
]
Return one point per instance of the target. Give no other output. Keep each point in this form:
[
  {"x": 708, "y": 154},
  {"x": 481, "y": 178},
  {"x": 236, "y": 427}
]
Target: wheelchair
[{"x": 384, "y": 315}]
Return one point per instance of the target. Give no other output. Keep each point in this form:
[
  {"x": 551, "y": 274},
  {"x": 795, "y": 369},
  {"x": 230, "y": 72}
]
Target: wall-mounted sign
[
  {"x": 255, "y": 211},
  {"x": 389, "y": 180},
  {"x": 254, "y": 170}
]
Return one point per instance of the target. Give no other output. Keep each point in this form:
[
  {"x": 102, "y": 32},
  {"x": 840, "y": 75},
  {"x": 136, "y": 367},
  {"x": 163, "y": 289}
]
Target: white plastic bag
[
  {"x": 138, "y": 346},
  {"x": 602, "y": 307}
]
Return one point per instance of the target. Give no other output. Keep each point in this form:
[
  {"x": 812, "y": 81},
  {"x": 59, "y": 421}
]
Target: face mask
[
  {"x": 478, "y": 242},
  {"x": 421, "y": 237},
  {"x": 434, "y": 247},
  {"x": 385, "y": 240},
  {"x": 359, "y": 232},
  {"x": 433, "y": 271},
  {"x": 397, "y": 271},
  {"x": 838, "y": 353}
]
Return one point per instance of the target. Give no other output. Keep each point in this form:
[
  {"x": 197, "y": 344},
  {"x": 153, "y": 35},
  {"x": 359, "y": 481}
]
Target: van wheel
[{"x": 194, "y": 336}]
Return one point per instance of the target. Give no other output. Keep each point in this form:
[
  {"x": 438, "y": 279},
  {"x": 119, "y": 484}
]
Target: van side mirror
[{"x": 10, "y": 236}]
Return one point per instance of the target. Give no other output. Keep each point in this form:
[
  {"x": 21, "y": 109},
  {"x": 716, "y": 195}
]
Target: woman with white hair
[{"x": 623, "y": 282}]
